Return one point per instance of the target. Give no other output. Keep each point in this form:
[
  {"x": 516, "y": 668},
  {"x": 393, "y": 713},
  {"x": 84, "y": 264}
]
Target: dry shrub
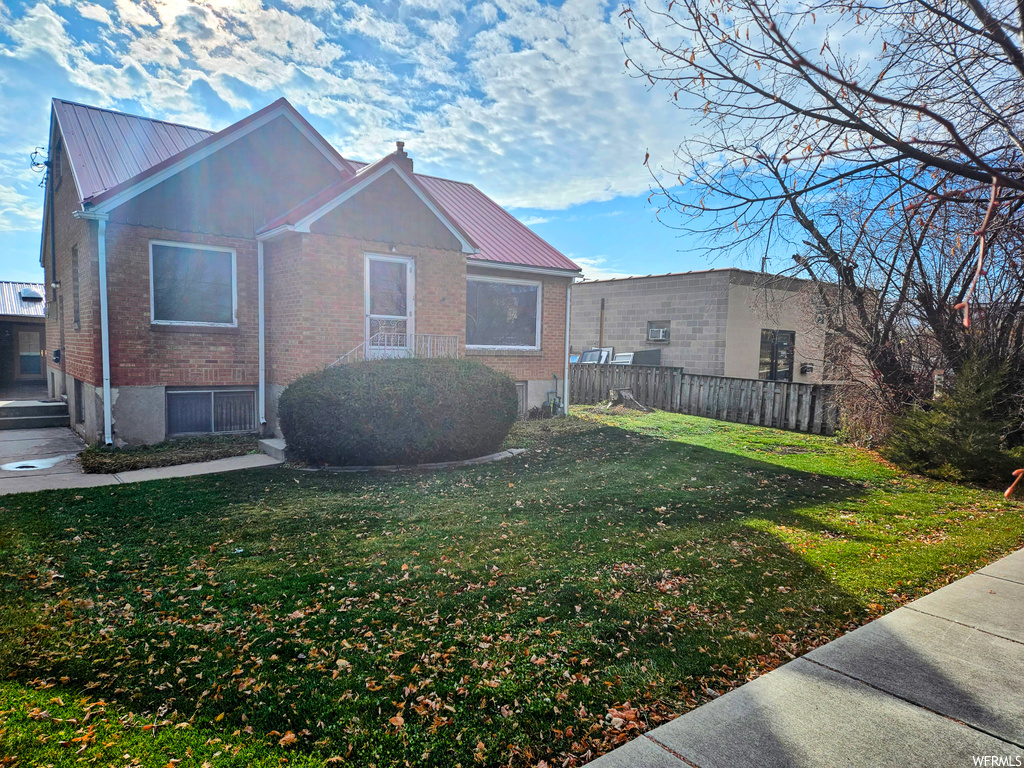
[{"x": 865, "y": 416}]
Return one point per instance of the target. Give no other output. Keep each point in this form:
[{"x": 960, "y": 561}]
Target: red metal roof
[
  {"x": 496, "y": 232},
  {"x": 111, "y": 151},
  {"x": 108, "y": 148}
]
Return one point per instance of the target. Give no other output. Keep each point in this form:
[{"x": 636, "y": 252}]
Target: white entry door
[{"x": 390, "y": 300}]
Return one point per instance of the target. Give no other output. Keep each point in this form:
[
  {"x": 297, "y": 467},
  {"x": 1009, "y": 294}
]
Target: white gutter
[
  {"x": 101, "y": 237},
  {"x": 484, "y": 264},
  {"x": 565, "y": 380},
  {"x": 262, "y": 335}
]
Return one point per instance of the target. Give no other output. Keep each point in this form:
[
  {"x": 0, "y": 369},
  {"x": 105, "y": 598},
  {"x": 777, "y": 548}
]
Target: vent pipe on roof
[{"x": 402, "y": 157}]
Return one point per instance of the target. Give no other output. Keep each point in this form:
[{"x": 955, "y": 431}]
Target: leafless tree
[{"x": 878, "y": 144}]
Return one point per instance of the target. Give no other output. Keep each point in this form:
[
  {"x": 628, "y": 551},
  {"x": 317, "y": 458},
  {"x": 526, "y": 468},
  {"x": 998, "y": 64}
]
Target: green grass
[
  {"x": 184, "y": 450},
  {"x": 546, "y": 607}
]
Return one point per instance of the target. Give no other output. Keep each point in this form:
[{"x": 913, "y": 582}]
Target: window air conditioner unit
[{"x": 657, "y": 334}]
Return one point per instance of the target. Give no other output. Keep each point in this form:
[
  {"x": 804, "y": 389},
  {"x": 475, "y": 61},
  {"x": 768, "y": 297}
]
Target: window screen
[
  {"x": 189, "y": 412},
  {"x": 502, "y": 314},
  {"x": 193, "y": 285}
]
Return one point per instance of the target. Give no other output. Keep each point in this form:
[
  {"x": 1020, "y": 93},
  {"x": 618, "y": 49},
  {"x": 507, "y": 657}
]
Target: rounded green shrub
[{"x": 402, "y": 411}]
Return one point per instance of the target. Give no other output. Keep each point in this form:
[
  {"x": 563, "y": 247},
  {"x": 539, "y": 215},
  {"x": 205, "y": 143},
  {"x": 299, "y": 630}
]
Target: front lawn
[{"x": 544, "y": 608}]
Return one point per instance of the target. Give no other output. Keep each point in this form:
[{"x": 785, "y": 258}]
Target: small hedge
[
  {"x": 959, "y": 437},
  {"x": 404, "y": 411},
  {"x": 102, "y": 460}
]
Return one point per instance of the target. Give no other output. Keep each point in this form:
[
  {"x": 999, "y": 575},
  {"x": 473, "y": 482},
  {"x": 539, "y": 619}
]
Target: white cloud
[
  {"x": 532, "y": 221},
  {"x": 95, "y": 12},
  {"x": 525, "y": 99},
  {"x": 19, "y": 211},
  {"x": 597, "y": 268}
]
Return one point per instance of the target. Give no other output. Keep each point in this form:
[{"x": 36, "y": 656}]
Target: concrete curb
[{"x": 413, "y": 467}]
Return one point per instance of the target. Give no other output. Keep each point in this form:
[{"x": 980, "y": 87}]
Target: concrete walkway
[
  {"x": 52, "y": 453},
  {"x": 938, "y": 682}
]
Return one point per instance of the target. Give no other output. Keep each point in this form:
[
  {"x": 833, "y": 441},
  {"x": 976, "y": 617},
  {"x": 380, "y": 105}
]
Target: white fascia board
[
  {"x": 90, "y": 215},
  {"x": 272, "y": 233},
  {"x": 175, "y": 168},
  {"x": 484, "y": 264},
  {"x": 303, "y": 224}
]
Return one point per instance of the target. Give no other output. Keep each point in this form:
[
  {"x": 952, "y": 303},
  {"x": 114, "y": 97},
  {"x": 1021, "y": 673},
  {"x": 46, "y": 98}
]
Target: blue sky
[{"x": 528, "y": 100}]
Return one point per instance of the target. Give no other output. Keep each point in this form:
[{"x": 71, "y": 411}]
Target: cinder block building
[{"x": 718, "y": 322}]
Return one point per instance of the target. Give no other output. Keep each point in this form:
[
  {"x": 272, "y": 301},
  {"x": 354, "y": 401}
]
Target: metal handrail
[{"x": 424, "y": 345}]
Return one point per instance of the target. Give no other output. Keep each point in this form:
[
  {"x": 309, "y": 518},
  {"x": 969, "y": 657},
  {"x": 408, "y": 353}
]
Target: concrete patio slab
[
  {"x": 803, "y": 715},
  {"x": 954, "y": 670},
  {"x": 52, "y": 451},
  {"x": 1010, "y": 568},
  {"x": 18, "y": 444},
  {"x": 984, "y": 602}
]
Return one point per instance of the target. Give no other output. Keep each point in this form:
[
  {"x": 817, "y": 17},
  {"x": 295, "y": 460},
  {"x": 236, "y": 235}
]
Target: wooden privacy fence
[{"x": 781, "y": 404}]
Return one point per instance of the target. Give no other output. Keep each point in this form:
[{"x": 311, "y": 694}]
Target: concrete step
[
  {"x": 35, "y": 422},
  {"x": 18, "y": 408},
  {"x": 274, "y": 448}
]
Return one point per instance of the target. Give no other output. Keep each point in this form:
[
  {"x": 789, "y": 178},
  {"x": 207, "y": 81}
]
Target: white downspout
[
  {"x": 262, "y": 396},
  {"x": 108, "y": 436},
  {"x": 565, "y": 379},
  {"x": 101, "y": 247}
]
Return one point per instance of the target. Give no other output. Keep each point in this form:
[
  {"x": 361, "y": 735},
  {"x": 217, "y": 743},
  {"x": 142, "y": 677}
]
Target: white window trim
[
  {"x": 540, "y": 307},
  {"x": 201, "y": 247},
  {"x": 410, "y": 293},
  {"x": 211, "y": 392}
]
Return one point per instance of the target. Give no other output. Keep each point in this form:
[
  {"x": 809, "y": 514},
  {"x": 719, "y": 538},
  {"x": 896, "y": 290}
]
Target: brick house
[{"x": 193, "y": 275}]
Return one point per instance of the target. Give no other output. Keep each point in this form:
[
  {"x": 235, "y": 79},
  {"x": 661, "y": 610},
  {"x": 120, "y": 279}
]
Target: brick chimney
[{"x": 403, "y": 159}]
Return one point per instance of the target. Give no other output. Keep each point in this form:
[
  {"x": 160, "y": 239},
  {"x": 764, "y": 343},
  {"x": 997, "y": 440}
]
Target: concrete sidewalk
[
  {"x": 938, "y": 682},
  {"x": 66, "y": 473}
]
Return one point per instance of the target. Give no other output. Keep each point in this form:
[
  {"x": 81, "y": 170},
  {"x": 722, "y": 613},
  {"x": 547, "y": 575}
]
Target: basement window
[
  {"x": 192, "y": 284},
  {"x": 502, "y": 313},
  {"x": 194, "y": 411}
]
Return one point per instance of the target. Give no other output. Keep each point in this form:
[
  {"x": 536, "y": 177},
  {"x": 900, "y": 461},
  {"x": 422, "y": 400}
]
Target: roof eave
[
  {"x": 149, "y": 178},
  {"x": 489, "y": 264}
]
